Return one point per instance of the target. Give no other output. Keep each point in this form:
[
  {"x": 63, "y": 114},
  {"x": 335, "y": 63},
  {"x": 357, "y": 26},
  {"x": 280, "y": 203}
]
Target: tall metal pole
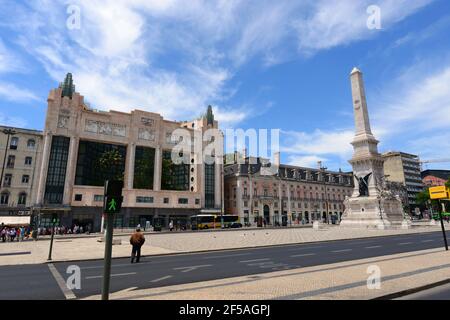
[
  {"x": 108, "y": 253},
  {"x": 8, "y": 132},
  {"x": 51, "y": 243},
  {"x": 442, "y": 226}
]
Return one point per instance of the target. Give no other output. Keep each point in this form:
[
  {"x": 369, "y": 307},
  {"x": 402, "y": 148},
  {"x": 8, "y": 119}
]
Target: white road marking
[
  {"x": 372, "y": 247},
  {"x": 427, "y": 240},
  {"x": 255, "y": 260},
  {"x": 404, "y": 243},
  {"x": 113, "y": 275},
  {"x": 260, "y": 263},
  {"x": 161, "y": 279},
  {"x": 227, "y": 256},
  {"x": 302, "y": 255},
  {"x": 304, "y": 248},
  {"x": 61, "y": 283},
  {"x": 343, "y": 250},
  {"x": 192, "y": 268}
]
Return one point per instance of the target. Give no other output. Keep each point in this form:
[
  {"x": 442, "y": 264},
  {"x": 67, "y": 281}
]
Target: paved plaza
[{"x": 73, "y": 249}]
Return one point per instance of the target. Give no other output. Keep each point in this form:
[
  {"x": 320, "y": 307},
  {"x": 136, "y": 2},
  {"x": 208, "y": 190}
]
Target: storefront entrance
[{"x": 267, "y": 214}]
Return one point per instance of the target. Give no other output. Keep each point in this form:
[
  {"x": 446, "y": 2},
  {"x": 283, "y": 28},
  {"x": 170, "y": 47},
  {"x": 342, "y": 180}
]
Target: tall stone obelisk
[{"x": 369, "y": 205}]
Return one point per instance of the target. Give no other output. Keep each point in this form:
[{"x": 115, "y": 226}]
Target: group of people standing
[{"x": 12, "y": 234}]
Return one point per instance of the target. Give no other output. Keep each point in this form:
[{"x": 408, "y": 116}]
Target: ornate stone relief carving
[
  {"x": 105, "y": 128},
  {"x": 148, "y": 121},
  {"x": 63, "y": 121},
  {"x": 146, "y": 134}
]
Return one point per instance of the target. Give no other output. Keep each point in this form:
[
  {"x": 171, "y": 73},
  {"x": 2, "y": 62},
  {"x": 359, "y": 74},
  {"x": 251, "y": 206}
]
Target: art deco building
[
  {"x": 83, "y": 147},
  {"x": 20, "y": 154},
  {"x": 292, "y": 195}
]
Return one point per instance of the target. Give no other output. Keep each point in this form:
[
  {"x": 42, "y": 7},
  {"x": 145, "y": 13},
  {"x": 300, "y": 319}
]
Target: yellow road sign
[{"x": 440, "y": 192}]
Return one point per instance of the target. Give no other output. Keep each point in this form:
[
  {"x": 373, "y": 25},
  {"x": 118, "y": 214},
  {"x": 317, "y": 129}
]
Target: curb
[
  {"x": 121, "y": 234},
  {"x": 408, "y": 292},
  {"x": 232, "y": 249}
]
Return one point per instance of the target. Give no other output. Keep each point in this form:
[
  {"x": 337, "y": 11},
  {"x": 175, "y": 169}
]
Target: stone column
[
  {"x": 157, "y": 169},
  {"x": 218, "y": 185},
  {"x": 70, "y": 170},
  {"x": 130, "y": 166},
  {"x": 239, "y": 201},
  {"x": 43, "y": 169}
]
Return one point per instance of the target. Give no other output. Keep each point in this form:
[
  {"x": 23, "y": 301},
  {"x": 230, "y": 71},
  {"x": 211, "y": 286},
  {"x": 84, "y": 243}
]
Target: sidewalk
[
  {"x": 338, "y": 281},
  {"x": 89, "y": 248}
]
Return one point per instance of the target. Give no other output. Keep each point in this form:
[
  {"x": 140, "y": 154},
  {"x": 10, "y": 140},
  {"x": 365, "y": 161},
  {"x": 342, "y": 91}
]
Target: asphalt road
[{"x": 44, "y": 281}]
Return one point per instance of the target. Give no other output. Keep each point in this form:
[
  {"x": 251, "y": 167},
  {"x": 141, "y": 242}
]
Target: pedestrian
[
  {"x": 12, "y": 234},
  {"x": 171, "y": 225},
  {"x": 3, "y": 234},
  {"x": 137, "y": 239},
  {"x": 18, "y": 234}
]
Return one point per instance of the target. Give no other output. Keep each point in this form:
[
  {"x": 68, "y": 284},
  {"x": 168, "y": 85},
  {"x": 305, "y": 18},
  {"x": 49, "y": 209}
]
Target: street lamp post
[{"x": 9, "y": 132}]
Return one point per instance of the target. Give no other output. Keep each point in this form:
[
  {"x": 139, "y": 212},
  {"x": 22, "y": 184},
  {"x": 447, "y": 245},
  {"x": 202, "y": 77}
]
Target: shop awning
[{"x": 15, "y": 221}]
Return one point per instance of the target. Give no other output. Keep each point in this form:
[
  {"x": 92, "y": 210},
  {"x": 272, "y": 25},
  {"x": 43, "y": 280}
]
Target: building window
[
  {"x": 209, "y": 185},
  {"x": 144, "y": 199},
  {"x": 28, "y": 161},
  {"x": 31, "y": 144},
  {"x": 11, "y": 161},
  {"x": 166, "y": 200},
  {"x": 98, "y": 198},
  {"x": 57, "y": 165},
  {"x": 246, "y": 204},
  {"x": 144, "y": 164},
  {"x": 78, "y": 197},
  {"x": 174, "y": 176},
  {"x": 98, "y": 162},
  {"x": 25, "y": 178},
  {"x": 22, "y": 199},
  {"x": 14, "y": 143},
  {"x": 7, "y": 181},
  {"x": 4, "y": 198},
  {"x": 197, "y": 201},
  {"x": 183, "y": 200}
]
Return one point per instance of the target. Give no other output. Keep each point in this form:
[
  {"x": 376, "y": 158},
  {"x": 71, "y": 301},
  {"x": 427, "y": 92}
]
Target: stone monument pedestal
[{"x": 369, "y": 212}]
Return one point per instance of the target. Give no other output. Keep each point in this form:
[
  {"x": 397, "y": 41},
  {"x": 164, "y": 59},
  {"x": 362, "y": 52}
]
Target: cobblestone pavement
[
  {"x": 346, "y": 280},
  {"x": 89, "y": 248}
]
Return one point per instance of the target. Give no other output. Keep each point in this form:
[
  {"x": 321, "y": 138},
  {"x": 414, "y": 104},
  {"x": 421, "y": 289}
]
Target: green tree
[
  {"x": 423, "y": 199},
  {"x": 108, "y": 164}
]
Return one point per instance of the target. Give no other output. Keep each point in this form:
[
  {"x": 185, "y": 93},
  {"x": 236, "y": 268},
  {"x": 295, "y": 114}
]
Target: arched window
[
  {"x": 22, "y": 199},
  {"x": 4, "y": 198},
  {"x": 31, "y": 143},
  {"x": 14, "y": 142}
]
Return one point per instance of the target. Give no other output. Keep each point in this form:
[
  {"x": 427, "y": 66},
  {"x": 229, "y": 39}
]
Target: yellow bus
[{"x": 211, "y": 221}]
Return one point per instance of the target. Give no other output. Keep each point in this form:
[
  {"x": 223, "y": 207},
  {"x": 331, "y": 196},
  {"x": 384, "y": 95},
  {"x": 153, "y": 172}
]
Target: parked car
[{"x": 236, "y": 225}]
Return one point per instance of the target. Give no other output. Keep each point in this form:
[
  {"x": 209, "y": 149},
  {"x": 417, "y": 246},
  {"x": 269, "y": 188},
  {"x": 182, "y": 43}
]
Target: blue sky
[{"x": 261, "y": 64}]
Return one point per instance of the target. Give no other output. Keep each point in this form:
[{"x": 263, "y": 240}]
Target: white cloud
[
  {"x": 174, "y": 56},
  {"x": 305, "y": 161},
  {"x": 318, "y": 142},
  {"x": 10, "y": 92},
  {"x": 9, "y": 121},
  {"x": 334, "y": 23},
  {"x": 417, "y": 103}
]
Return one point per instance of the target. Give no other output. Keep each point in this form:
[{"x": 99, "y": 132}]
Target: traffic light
[
  {"x": 54, "y": 218},
  {"x": 113, "y": 196}
]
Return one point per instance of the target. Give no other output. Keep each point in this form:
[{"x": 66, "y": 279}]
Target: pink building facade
[{"x": 294, "y": 195}]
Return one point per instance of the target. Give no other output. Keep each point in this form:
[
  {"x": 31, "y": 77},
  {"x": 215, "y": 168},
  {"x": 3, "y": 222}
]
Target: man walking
[{"x": 137, "y": 239}]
